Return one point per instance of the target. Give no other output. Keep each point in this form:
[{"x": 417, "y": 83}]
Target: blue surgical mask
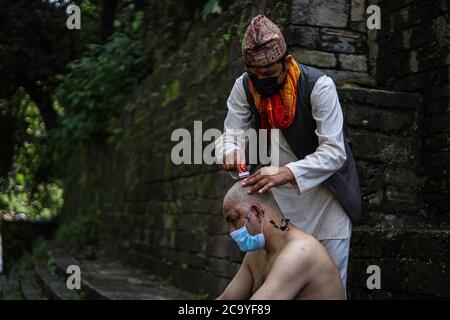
[{"x": 246, "y": 241}]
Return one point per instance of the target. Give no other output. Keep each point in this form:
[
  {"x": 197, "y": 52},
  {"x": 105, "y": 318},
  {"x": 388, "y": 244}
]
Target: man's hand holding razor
[{"x": 262, "y": 179}]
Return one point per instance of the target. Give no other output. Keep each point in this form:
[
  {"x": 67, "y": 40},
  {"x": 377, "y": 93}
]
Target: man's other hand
[{"x": 268, "y": 177}]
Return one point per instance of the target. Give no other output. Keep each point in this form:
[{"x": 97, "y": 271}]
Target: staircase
[{"x": 101, "y": 279}]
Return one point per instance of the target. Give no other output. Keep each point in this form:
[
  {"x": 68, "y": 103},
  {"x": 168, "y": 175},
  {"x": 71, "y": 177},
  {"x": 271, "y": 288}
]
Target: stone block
[
  {"x": 358, "y": 10},
  {"x": 321, "y": 12},
  {"x": 353, "y": 62},
  {"x": 315, "y": 58},
  {"x": 222, "y": 267},
  {"x": 197, "y": 260},
  {"x": 401, "y": 197},
  {"x": 344, "y": 41},
  {"x": 303, "y": 36},
  {"x": 378, "y": 119},
  {"x": 359, "y": 26},
  {"x": 384, "y": 148},
  {"x": 380, "y": 98},
  {"x": 222, "y": 246},
  {"x": 401, "y": 177},
  {"x": 190, "y": 241},
  {"x": 342, "y": 75},
  {"x": 418, "y": 81},
  {"x": 371, "y": 184}
]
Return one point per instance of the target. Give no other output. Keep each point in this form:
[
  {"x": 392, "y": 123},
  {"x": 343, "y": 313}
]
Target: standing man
[{"x": 316, "y": 184}]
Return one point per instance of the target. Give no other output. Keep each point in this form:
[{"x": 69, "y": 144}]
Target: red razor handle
[{"x": 243, "y": 173}]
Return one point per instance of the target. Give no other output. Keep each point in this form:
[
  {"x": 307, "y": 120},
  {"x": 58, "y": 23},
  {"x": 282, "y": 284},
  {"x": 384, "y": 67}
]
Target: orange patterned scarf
[{"x": 278, "y": 110}]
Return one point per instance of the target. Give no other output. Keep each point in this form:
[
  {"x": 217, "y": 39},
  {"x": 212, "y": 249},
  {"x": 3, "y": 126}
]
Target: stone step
[
  {"x": 108, "y": 279},
  {"x": 380, "y": 98},
  {"x": 62, "y": 262},
  {"x": 52, "y": 285},
  {"x": 29, "y": 288},
  {"x": 378, "y": 114},
  {"x": 7, "y": 287}
]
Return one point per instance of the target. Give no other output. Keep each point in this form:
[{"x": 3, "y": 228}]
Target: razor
[{"x": 243, "y": 172}]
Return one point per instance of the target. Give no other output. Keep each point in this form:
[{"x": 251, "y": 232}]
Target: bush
[
  {"x": 29, "y": 187},
  {"x": 39, "y": 250},
  {"x": 77, "y": 234},
  {"x": 93, "y": 92}
]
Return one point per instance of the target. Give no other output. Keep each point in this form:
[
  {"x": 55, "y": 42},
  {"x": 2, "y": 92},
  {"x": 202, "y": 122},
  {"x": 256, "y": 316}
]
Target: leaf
[{"x": 211, "y": 7}]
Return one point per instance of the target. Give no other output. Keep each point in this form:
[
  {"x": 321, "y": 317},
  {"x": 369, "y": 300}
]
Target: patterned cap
[{"x": 263, "y": 42}]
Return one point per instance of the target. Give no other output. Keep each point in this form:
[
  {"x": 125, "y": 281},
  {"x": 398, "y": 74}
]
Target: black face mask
[{"x": 267, "y": 86}]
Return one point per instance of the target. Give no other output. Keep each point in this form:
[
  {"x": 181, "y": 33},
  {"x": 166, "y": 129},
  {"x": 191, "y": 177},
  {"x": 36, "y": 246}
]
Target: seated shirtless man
[{"x": 282, "y": 261}]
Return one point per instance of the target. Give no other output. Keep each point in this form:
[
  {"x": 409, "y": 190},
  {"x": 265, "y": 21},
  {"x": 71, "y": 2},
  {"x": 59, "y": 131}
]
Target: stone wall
[
  {"x": 165, "y": 217},
  {"x": 413, "y": 263},
  {"x": 414, "y": 57},
  {"x": 384, "y": 128},
  {"x": 168, "y": 218},
  {"x": 332, "y": 36}
]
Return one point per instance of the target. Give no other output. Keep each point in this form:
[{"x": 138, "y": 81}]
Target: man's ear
[{"x": 259, "y": 211}]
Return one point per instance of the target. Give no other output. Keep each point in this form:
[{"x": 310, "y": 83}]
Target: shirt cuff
[{"x": 298, "y": 182}]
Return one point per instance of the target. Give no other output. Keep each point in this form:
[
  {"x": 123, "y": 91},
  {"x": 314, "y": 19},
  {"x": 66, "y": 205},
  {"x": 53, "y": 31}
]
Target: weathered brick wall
[
  {"x": 384, "y": 129},
  {"x": 153, "y": 213},
  {"x": 414, "y": 56},
  {"x": 413, "y": 263},
  {"x": 332, "y": 36},
  {"x": 168, "y": 218}
]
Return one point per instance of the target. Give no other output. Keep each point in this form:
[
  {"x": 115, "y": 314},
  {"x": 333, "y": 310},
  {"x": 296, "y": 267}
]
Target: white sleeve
[
  {"x": 330, "y": 154},
  {"x": 237, "y": 120}
]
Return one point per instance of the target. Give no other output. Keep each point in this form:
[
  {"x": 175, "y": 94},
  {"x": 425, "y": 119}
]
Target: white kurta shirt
[{"x": 308, "y": 203}]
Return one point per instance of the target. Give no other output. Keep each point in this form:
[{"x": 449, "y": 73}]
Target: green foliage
[
  {"x": 77, "y": 234},
  {"x": 37, "y": 45},
  {"x": 44, "y": 203},
  {"x": 26, "y": 262},
  {"x": 22, "y": 190},
  {"x": 40, "y": 249},
  {"x": 91, "y": 92},
  {"x": 204, "y": 296},
  {"x": 51, "y": 266},
  {"x": 211, "y": 7},
  {"x": 171, "y": 91},
  {"x": 94, "y": 90}
]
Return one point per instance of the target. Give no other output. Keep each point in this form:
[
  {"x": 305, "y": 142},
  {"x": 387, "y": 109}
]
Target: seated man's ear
[{"x": 259, "y": 211}]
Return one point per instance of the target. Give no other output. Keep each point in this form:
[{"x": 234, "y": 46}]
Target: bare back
[{"x": 302, "y": 269}]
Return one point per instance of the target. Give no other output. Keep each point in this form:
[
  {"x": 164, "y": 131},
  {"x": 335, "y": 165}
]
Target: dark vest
[{"x": 302, "y": 139}]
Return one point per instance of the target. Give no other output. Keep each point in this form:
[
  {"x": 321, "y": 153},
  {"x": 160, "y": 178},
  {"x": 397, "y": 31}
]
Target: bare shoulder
[
  {"x": 303, "y": 249},
  {"x": 294, "y": 264},
  {"x": 303, "y": 242}
]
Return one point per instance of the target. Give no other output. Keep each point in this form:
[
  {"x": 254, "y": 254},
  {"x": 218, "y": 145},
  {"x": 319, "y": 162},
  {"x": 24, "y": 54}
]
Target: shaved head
[
  {"x": 237, "y": 196},
  {"x": 238, "y": 205}
]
